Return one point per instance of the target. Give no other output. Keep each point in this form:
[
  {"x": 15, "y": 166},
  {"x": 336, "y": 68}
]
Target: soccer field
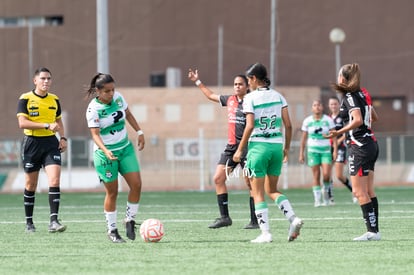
[{"x": 325, "y": 245}]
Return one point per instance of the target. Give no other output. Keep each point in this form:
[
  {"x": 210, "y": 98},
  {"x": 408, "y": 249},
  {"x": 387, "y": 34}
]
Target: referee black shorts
[{"x": 38, "y": 152}]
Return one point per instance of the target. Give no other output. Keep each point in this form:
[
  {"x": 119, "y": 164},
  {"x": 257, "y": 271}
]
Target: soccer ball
[{"x": 151, "y": 230}]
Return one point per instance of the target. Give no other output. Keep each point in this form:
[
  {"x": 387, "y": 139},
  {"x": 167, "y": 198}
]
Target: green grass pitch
[{"x": 325, "y": 245}]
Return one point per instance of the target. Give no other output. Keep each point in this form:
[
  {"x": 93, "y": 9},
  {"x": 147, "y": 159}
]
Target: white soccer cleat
[
  {"x": 317, "y": 204},
  {"x": 369, "y": 236},
  {"x": 354, "y": 199},
  {"x": 294, "y": 229},
  {"x": 378, "y": 236},
  {"x": 263, "y": 238}
]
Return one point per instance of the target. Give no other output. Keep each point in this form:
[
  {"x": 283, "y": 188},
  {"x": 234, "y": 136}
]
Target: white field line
[
  {"x": 66, "y": 221},
  {"x": 209, "y": 205}
]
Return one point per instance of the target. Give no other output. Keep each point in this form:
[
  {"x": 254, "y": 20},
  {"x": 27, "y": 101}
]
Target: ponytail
[{"x": 97, "y": 82}]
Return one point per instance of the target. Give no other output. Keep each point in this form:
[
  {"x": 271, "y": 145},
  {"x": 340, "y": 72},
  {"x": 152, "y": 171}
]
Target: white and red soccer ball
[{"x": 151, "y": 230}]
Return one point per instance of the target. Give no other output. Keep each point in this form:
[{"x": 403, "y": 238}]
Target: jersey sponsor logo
[
  {"x": 113, "y": 131},
  {"x": 318, "y": 130},
  {"x": 117, "y": 116},
  {"x": 33, "y": 108},
  {"x": 338, "y": 122}
]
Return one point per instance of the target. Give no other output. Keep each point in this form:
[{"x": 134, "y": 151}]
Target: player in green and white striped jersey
[
  {"x": 266, "y": 116},
  {"x": 107, "y": 115},
  {"x": 319, "y": 154}
]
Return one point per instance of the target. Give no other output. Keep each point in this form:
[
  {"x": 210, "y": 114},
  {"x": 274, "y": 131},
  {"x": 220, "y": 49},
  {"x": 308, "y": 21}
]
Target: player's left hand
[
  {"x": 141, "y": 142},
  {"x": 285, "y": 155},
  {"x": 63, "y": 145},
  {"x": 332, "y": 133},
  {"x": 237, "y": 156},
  {"x": 193, "y": 74}
]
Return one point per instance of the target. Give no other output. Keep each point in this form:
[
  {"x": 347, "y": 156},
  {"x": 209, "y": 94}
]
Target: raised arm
[{"x": 193, "y": 76}]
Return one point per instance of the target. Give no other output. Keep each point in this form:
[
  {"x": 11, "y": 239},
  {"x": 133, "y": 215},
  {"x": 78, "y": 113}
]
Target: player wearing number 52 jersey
[
  {"x": 266, "y": 116},
  {"x": 269, "y": 119}
]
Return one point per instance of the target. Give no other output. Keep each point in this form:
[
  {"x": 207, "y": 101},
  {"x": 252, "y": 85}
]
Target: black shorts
[
  {"x": 226, "y": 157},
  {"x": 38, "y": 152},
  {"x": 361, "y": 160}
]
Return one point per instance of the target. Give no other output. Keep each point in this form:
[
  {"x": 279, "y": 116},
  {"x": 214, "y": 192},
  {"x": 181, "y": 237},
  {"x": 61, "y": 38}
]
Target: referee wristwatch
[{"x": 47, "y": 125}]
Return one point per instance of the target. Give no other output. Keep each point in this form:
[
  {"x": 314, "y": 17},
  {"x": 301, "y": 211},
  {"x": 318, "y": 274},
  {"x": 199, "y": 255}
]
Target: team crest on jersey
[{"x": 119, "y": 102}]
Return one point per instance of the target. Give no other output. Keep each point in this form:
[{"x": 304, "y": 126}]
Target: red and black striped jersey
[{"x": 235, "y": 117}]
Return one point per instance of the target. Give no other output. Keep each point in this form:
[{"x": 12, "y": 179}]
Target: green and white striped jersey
[
  {"x": 110, "y": 119},
  {"x": 316, "y": 129},
  {"x": 266, "y": 105}
]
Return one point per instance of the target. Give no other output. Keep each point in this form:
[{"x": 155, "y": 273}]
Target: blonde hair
[{"x": 352, "y": 75}]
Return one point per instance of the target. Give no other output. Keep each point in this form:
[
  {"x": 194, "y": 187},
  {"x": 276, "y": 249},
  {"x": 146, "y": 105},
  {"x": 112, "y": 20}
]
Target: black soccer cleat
[
  {"x": 130, "y": 229},
  {"x": 30, "y": 228},
  {"x": 251, "y": 225},
  {"x": 115, "y": 237},
  {"x": 221, "y": 222}
]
